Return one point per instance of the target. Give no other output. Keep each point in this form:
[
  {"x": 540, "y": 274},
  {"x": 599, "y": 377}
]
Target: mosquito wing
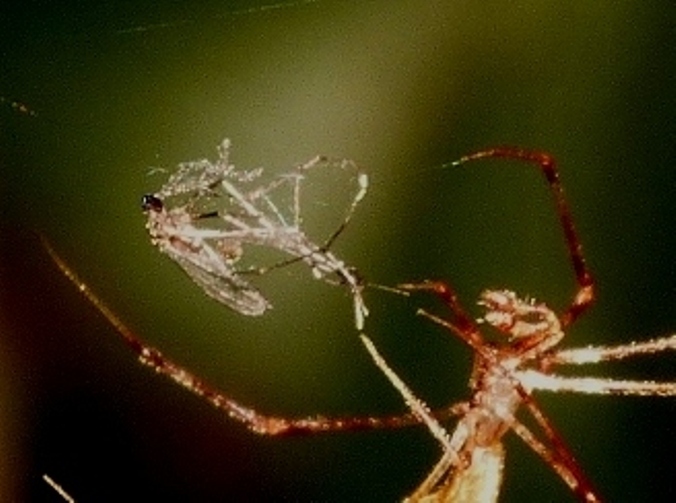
[{"x": 221, "y": 282}]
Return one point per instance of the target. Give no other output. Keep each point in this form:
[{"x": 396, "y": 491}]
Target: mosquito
[{"x": 207, "y": 213}]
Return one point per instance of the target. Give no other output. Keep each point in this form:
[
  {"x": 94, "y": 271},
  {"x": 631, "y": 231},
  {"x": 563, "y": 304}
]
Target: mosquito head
[
  {"x": 151, "y": 203},
  {"x": 516, "y": 317}
]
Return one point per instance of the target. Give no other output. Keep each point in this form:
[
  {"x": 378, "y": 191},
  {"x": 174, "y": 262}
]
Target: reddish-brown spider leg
[
  {"x": 585, "y": 294},
  {"x": 253, "y": 420},
  {"x": 463, "y": 324}
]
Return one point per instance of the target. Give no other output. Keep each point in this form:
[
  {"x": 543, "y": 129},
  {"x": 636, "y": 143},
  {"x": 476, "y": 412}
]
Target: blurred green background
[{"x": 401, "y": 88}]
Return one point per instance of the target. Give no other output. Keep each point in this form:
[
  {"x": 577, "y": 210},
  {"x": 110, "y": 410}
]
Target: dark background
[{"x": 117, "y": 87}]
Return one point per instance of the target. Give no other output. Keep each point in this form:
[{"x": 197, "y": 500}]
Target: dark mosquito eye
[{"x": 151, "y": 203}]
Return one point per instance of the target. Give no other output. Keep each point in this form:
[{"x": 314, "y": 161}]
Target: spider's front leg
[{"x": 584, "y": 296}]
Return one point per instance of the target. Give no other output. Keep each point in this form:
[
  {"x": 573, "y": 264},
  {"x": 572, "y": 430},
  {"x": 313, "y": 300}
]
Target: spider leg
[
  {"x": 479, "y": 480},
  {"x": 256, "y": 422},
  {"x": 595, "y": 354},
  {"x": 534, "y": 379},
  {"x": 558, "y": 457},
  {"x": 363, "y": 183},
  {"x": 585, "y": 294},
  {"x": 463, "y": 326}
]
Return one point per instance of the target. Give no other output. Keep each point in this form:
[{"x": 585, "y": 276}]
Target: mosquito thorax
[{"x": 150, "y": 202}]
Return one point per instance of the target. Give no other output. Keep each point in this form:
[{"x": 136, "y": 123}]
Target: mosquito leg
[
  {"x": 312, "y": 163},
  {"x": 242, "y": 226},
  {"x": 316, "y": 254},
  {"x": 363, "y": 183},
  {"x": 255, "y": 421},
  {"x": 275, "y": 210},
  {"x": 297, "y": 177},
  {"x": 246, "y": 205},
  {"x": 296, "y": 201},
  {"x": 595, "y": 354},
  {"x": 585, "y": 294}
]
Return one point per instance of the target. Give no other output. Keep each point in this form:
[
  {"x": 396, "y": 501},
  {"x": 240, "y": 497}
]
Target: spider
[
  {"x": 502, "y": 380},
  {"x": 505, "y": 374}
]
